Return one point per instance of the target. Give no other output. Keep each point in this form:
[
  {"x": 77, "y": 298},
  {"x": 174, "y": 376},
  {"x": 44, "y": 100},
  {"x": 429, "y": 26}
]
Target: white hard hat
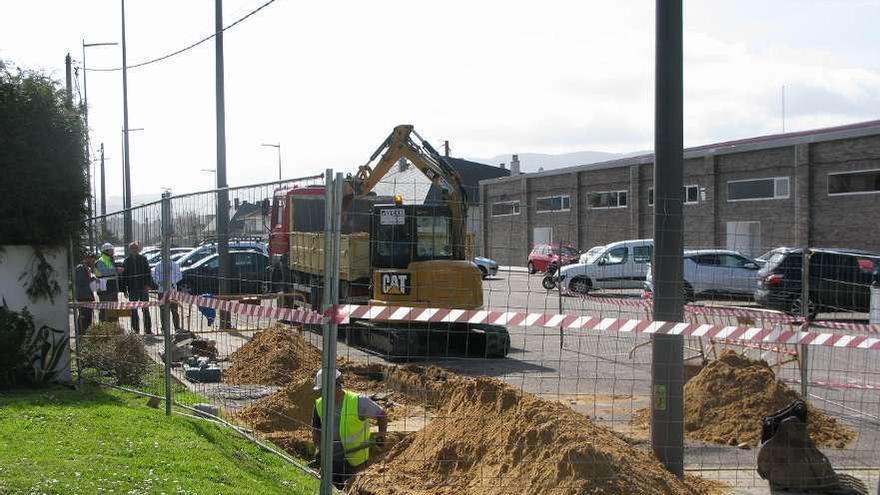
[
  {"x": 106, "y": 247},
  {"x": 319, "y": 383}
]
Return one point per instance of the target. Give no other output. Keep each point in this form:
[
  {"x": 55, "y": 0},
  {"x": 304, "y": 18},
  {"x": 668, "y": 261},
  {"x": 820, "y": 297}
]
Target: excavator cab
[{"x": 415, "y": 262}]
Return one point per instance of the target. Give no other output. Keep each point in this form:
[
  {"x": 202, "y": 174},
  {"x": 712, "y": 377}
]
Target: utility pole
[
  {"x": 667, "y": 360},
  {"x": 278, "y": 147},
  {"x": 103, "y": 197},
  {"x": 126, "y": 165},
  {"x": 69, "y": 96},
  {"x": 222, "y": 213}
]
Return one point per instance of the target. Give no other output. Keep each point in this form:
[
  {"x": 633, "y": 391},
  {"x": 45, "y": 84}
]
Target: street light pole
[
  {"x": 126, "y": 165},
  {"x": 222, "y": 213},
  {"x": 278, "y": 147},
  {"x": 88, "y": 134}
]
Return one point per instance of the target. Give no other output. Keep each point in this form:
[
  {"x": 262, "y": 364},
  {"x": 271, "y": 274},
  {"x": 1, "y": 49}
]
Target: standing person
[
  {"x": 82, "y": 290},
  {"x": 108, "y": 277},
  {"x": 138, "y": 281},
  {"x": 351, "y": 429},
  {"x": 158, "y": 278}
]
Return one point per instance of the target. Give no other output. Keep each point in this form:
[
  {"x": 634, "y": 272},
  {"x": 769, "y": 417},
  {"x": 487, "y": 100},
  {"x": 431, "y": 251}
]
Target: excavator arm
[{"x": 400, "y": 144}]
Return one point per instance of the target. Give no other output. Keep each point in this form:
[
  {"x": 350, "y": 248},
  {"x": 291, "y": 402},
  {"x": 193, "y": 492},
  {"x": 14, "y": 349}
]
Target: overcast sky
[{"x": 330, "y": 79}]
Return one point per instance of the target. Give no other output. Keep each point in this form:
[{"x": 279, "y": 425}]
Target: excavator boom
[{"x": 419, "y": 152}]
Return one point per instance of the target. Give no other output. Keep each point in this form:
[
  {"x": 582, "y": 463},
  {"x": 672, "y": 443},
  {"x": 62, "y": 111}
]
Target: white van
[{"x": 620, "y": 265}]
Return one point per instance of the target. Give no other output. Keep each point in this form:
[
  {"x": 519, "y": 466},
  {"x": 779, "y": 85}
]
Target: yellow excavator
[{"x": 394, "y": 254}]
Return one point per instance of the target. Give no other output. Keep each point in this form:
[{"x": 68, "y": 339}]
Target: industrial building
[{"x": 819, "y": 188}]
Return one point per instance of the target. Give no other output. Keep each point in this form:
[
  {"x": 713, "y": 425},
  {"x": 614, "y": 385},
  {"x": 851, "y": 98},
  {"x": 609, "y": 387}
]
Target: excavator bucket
[{"x": 789, "y": 460}]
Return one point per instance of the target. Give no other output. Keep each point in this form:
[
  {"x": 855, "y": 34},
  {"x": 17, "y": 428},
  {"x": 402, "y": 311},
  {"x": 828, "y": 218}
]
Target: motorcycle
[{"x": 549, "y": 281}]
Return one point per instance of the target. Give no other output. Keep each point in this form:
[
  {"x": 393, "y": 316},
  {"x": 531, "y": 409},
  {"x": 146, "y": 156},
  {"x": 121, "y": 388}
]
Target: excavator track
[{"x": 408, "y": 341}]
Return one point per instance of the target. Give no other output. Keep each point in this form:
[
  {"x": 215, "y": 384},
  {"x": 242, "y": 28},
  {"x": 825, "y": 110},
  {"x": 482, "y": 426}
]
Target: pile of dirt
[
  {"x": 491, "y": 439},
  {"x": 726, "y": 401},
  {"x": 275, "y": 356},
  {"x": 287, "y": 409}
]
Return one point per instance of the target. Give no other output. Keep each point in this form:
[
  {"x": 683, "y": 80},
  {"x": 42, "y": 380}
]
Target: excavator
[{"x": 392, "y": 254}]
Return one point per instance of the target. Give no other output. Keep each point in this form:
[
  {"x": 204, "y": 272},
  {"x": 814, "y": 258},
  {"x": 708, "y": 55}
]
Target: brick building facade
[{"x": 820, "y": 188}]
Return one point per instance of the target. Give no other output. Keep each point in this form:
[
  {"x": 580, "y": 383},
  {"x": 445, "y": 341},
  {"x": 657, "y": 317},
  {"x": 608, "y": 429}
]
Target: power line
[{"x": 186, "y": 48}]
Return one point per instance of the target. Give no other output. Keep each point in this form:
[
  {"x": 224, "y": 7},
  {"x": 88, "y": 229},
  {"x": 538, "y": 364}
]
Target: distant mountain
[{"x": 532, "y": 162}]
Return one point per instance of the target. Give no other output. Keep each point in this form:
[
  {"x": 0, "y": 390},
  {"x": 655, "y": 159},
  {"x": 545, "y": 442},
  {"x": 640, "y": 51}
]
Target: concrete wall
[
  {"x": 15, "y": 260},
  {"x": 807, "y": 215}
]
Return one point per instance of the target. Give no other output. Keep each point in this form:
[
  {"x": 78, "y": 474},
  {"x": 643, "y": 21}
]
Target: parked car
[
  {"x": 620, "y": 265},
  {"x": 840, "y": 280},
  {"x": 156, "y": 256},
  {"x": 208, "y": 248},
  {"x": 591, "y": 254},
  {"x": 544, "y": 255},
  {"x": 489, "y": 268},
  {"x": 248, "y": 276},
  {"x": 714, "y": 272}
]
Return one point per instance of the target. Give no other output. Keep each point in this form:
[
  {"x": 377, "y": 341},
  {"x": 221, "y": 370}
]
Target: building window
[
  {"x": 689, "y": 194},
  {"x": 757, "y": 189},
  {"x": 607, "y": 199},
  {"x": 553, "y": 203},
  {"x": 861, "y": 182},
  {"x": 505, "y": 208}
]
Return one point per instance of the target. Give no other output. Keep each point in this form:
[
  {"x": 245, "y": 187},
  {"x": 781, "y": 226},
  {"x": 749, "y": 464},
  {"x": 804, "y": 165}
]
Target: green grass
[{"x": 105, "y": 441}]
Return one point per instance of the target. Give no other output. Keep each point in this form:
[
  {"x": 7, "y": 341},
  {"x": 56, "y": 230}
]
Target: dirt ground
[{"x": 725, "y": 402}]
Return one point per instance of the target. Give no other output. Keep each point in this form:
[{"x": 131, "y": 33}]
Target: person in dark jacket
[
  {"x": 137, "y": 280},
  {"x": 83, "y": 280}
]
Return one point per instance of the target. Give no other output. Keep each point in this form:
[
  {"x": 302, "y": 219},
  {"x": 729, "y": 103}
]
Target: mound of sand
[
  {"x": 275, "y": 356},
  {"x": 491, "y": 439},
  {"x": 286, "y": 410},
  {"x": 726, "y": 401}
]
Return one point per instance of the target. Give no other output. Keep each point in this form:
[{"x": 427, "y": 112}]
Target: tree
[{"x": 44, "y": 187}]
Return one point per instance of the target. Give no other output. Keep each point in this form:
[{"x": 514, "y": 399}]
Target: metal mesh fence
[{"x": 510, "y": 352}]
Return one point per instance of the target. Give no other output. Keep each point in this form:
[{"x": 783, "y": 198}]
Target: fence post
[
  {"x": 77, "y": 331},
  {"x": 667, "y": 351},
  {"x": 874, "y": 317},
  {"x": 166, "y": 286},
  {"x": 332, "y": 215},
  {"x": 803, "y": 352}
]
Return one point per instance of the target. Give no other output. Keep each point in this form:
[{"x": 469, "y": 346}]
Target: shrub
[
  {"x": 28, "y": 355},
  {"x": 121, "y": 356},
  {"x": 16, "y": 331}
]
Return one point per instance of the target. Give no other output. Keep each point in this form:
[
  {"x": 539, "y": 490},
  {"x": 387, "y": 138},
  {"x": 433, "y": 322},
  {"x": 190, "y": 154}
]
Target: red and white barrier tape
[
  {"x": 620, "y": 325},
  {"x": 841, "y": 325},
  {"x": 696, "y": 309},
  {"x": 298, "y": 315},
  {"x": 343, "y": 313},
  {"x": 115, "y": 304},
  {"x": 617, "y": 301},
  {"x": 771, "y": 317},
  {"x": 823, "y": 383}
]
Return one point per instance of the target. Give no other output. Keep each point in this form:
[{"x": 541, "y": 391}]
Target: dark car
[
  {"x": 840, "y": 280},
  {"x": 248, "y": 275},
  {"x": 545, "y": 255}
]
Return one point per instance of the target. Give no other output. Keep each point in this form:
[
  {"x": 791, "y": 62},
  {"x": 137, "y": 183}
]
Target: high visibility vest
[
  {"x": 353, "y": 430},
  {"x": 105, "y": 266}
]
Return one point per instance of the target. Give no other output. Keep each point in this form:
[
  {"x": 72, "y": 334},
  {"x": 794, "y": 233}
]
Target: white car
[
  {"x": 715, "y": 272},
  {"x": 591, "y": 254},
  {"x": 619, "y": 265}
]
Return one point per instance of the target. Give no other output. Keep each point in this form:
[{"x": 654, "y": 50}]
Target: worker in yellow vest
[
  {"x": 108, "y": 277},
  {"x": 351, "y": 429}
]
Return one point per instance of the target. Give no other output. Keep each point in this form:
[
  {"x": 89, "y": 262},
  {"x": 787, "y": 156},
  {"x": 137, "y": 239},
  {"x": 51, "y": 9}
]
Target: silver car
[
  {"x": 488, "y": 268},
  {"x": 715, "y": 272}
]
